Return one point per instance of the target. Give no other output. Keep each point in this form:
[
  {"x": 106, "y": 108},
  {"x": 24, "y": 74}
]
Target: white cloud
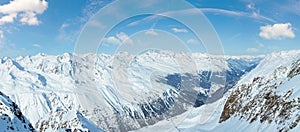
[
  {"x": 36, "y": 45},
  {"x": 112, "y": 40},
  {"x": 8, "y": 18},
  {"x": 29, "y": 18},
  {"x": 177, "y": 30},
  {"x": 252, "y": 50},
  {"x": 151, "y": 32},
  {"x": 135, "y": 23},
  {"x": 277, "y": 31},
  {"x": 96, "y": 24},
  {"x": 25, "y": 10},
  {"x": 250, "y": 6},
  {"x": 64, "y": 26},
  {"x": 124, "y": 38},
  {"x": 64, "y": 34},
  {"x": 120, "y": 38},
  {"x": 191, "y": 41}
]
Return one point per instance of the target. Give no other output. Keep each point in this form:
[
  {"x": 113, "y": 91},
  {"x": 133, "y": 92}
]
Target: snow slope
[
  {"x": 115, "y": 93},
  {"x": 265, "y": 99},
  {"x": 12, "y": 118},
  {"x": 268, "y": 97}
]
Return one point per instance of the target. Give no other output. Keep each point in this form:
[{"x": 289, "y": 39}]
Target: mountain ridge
[
  {"x": 52, "y": 84},
  {"x": 265, "y": 99}
]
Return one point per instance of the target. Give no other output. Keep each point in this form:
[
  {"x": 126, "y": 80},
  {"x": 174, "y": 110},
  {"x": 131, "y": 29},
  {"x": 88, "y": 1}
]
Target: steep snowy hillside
[
  {"x": 12, "y": 118},
  {"x": 265, "y": 99},
  {"x": 116, "y": 93},
  {"x": 269, "y": 96}
]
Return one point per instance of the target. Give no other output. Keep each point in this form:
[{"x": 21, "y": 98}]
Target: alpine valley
[{"x": 155, "y": 90}]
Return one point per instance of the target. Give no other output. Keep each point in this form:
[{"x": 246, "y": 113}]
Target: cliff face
[{"x": 270, "y": 94}]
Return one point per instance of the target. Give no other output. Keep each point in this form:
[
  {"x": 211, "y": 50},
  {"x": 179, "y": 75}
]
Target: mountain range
[{"x": 154, "y": 90}]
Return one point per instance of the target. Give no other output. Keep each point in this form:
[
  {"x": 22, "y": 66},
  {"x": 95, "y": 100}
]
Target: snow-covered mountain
[
  {"x": 265, "y": 99},
  {"x": 12, "y": 118},
  {"x": 116, "y": 93},
  {"x": 269, "y": 96}
]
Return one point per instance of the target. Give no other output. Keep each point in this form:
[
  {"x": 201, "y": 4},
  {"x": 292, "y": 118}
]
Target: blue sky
[{"x": 244, "y": 27}]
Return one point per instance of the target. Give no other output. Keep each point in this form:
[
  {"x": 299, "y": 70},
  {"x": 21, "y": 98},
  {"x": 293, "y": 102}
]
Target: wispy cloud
[
  {"x": 149, "y": 18},
  {"x": 151, "y": 32},
  {"x": 290, "y": 6},
  {"x": 91, "y": 8},
  {"x": 66, "y": 33},
  {"x": 37, "y": 45},
  {"x": 192, "y": 41},
  {"x": 71, "y": 28},
  {"x": 235, "y": 36},
  {"x": 254, "y": 15},
  {"x": 111, "y": 40},
  {"x": 220, "y": 11},
  {"x": 124, "y": 38},
  {"x": 261, "y": 45},
  {"x": 120, "y": 38},
  {"x": 252, "y": 50},
  {"x": 95, "y": 23},
  {"x": 10, "y": 49},
  {"x": 178, "y": 30},
  {"x": 251, "y": 6}
]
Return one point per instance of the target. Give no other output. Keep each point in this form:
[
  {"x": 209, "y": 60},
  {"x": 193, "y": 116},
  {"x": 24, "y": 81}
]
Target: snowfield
[
  {"x": 275, "y": 70},
  {"x": 156, "y": 90}
]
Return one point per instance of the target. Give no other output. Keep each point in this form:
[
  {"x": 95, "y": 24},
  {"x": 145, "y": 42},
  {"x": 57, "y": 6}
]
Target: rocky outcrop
[
  {"x": 295, "y": 69},
  {"x": 270, "y": 99},
  {"x": 11, "y": 117}
]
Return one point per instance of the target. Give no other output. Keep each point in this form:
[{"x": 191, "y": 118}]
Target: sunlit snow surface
[
  {"x": 274, "y": 67},
  {"x": 84, "y": 91}
]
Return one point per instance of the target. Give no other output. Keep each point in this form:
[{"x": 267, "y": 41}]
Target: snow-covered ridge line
[
  {"x": 265, "y": 99},
  {"x": 45, "y": 86},
  {"x": 268, "y": 97},
  {"x": 149, "y": 51}
]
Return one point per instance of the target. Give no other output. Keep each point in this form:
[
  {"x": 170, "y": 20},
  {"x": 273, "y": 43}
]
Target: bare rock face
[
  {"x": 273, "y": 98},
  {"x": 295, "y": 70}
]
